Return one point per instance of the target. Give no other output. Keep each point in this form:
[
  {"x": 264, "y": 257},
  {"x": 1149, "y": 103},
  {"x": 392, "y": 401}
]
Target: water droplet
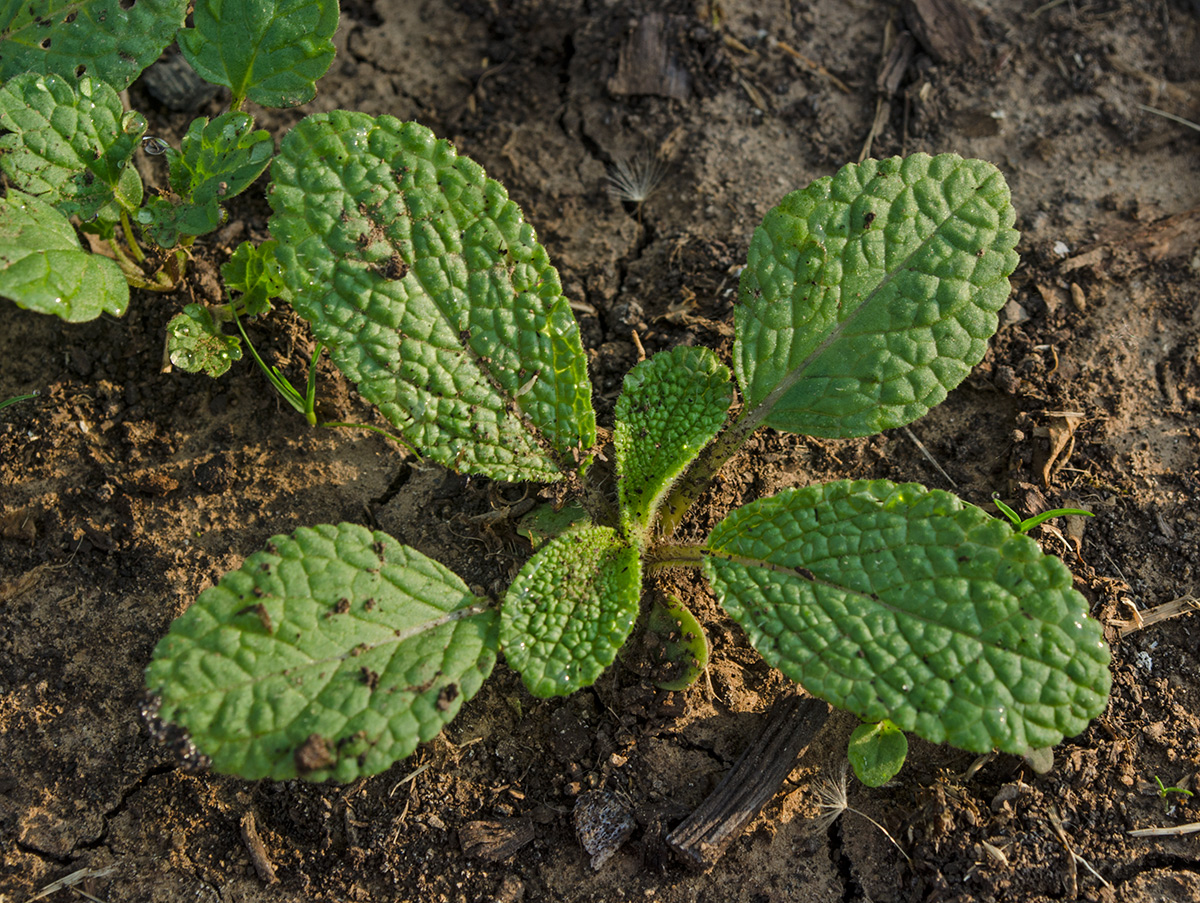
[{"x": 154, "y": 146}]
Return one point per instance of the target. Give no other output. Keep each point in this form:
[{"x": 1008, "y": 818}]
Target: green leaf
[
  {"x": 570, "y": 609},
  {"x": 869, "y": 295},
  {"x": 104, "y": 39},
  {"x": 196, "y": 344},
  {"x": 71, "y": 149},
  {"x": 330, "y": 654},
  {"x": 670, "y": 407},
  {"x": 679, "y": 644},
  {"x": 165, "y": 219},
  {"x": 270, "y": 51},
  {"x": 877, "y": 752},
  {"x": 43, "y": 267},
  {"x": 899, "y": 602},
  {"x": 546, "y": 521},
  {"x": 254, "y": 271},
  {"x": 433, "y": 295},
  {"x": 217, "y": 160}
]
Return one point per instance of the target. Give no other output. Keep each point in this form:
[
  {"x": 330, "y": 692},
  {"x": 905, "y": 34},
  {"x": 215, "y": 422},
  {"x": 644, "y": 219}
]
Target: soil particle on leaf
[{"x": 314, "y": 754}]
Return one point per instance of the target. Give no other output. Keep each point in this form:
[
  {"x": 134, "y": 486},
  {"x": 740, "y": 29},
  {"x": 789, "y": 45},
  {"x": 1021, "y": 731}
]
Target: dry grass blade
[
  {"x": 73, "y": 879},
  {"x": 1176, "y": 831}
]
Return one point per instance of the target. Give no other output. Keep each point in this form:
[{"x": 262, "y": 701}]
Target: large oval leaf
[
  {"x": 570, "y": 610},
  {"x": 433, "y": 295},
  {"x": 104, "y": 39},
  {"x": 899, "y": 602},
  {"x": 330, "y": 654},
  {"x": 869, "y": 295},
  {"x": 43, "y": 268}
]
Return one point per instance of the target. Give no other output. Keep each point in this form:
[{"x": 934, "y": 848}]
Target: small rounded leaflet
[
  {"x": 877, "y": 752},
  {"x": 195, "y": 342},
  {"x": 676, "y": 645},
  {"x": 570, "y": 610}
]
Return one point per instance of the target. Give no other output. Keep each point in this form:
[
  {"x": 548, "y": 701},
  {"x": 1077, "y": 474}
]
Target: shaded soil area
[{"x": 126, "y": 489}]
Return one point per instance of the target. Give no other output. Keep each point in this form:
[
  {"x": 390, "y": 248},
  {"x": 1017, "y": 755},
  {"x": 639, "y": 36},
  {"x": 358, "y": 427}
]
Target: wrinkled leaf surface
[
  {"x": 870, "y": 294},
  {"x": 900, "y": 602},
  {"x": 330, "y": 654},
  {"x": 433, "y": 295}
]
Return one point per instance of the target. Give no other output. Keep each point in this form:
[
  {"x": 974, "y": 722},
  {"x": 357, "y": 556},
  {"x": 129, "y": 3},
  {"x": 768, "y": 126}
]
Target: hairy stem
[
  {"x": 661, "y": 558},
  {"x": 131, "y": 239},
  {"x": 706, "y": 466}
]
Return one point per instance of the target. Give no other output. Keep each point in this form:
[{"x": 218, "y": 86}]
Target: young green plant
[
  {"x": 67, "y": 146},
  {"x": 865, "y": 298}
]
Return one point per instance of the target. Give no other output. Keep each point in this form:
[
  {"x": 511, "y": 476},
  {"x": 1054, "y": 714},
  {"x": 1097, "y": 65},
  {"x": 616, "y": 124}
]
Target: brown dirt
[{"x": 124, "y": 490}]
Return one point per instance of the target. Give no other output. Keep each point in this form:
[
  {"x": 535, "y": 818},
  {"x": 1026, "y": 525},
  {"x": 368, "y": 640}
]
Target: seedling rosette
[{"x": 865, "y": 299}]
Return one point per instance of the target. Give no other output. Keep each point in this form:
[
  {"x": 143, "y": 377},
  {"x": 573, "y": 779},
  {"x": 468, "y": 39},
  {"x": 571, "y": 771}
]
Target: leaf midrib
[
  {"x": 480, "y": 607},
  {"x": 877, "y": 599}
]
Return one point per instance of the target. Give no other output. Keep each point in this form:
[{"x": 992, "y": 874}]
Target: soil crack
[
  {"x": 852, "y": 890},
  {"x": 102, "y": 838}
]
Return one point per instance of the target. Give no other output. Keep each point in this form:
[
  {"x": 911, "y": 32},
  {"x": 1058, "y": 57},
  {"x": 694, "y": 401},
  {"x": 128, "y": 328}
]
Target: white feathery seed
[{"x": 634, "y": 179}]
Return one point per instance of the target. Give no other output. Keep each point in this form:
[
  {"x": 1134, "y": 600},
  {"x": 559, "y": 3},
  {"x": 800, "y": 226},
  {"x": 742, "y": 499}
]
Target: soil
[{"x": 126, "y": 489}]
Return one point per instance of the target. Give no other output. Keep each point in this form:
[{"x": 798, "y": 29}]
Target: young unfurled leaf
[
  {"x": 433, "y": 295},
  {"x": 670, "y": 407},
  {"x": 679, "y": 650},
  {"x": 112, "y": 42},
  {"x": 330, "y": 654},
  {"x": 195, "y": 343},
  {"x": 570, "y": 609},
  {"x": 877, "y": 752},
  {"x": 271, "y": 52},
  {"x": 899, "y": 602},
  {"x": 70, "y": 143},
  {"x": 43, "y": 267},
  {"x": 869, "y": 295},
  {"x": 217, "y": 160},
  {"x": 254, "y": 271}
]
